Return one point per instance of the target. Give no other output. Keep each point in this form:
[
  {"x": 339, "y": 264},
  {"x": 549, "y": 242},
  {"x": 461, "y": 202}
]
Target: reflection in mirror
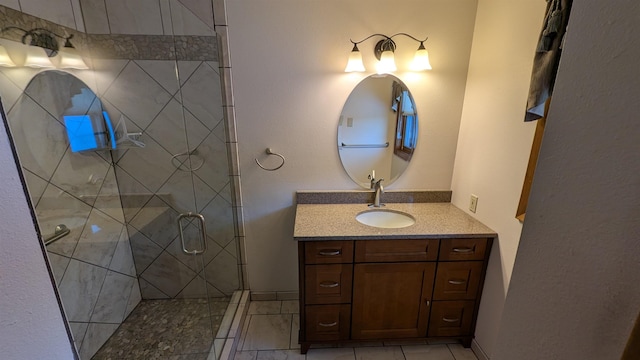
[{"x": 377, "y": 130}]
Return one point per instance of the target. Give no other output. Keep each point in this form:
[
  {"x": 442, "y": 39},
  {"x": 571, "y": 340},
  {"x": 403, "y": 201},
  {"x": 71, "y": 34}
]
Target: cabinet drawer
[
  {"x": 396, "y": 250},
  {"x": 328, "y": 252},
  {"x": 327, "y": 322},
  {"x": 328, "y": 284},
  {"x": 451, "y": 318},
  {"x": 462, "y": 249},
  {"x": 457, "y": 280}
]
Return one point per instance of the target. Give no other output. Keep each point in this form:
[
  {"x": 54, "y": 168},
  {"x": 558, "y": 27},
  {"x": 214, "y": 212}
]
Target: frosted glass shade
[
  {"x": 355, "y": 62},
  {"x": 387, "y": 62},
  {"x": 71, "y": 59},
  {"x": 5, "y": 59},
  {"x": 421, "y": 60},
  {"x": 37, "y": 58}
]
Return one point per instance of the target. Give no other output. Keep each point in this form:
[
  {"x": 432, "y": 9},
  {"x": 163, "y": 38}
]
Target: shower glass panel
[
  {"x": 180, "y": 177},
  {"x": 75, "y": 197}
]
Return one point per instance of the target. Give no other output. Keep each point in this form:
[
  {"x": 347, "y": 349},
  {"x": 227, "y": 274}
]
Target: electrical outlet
[
  {"x": 473, "y": 204},
  {"x": 349, "y": 122}
]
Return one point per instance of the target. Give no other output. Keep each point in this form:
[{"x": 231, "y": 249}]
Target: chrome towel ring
[
  {"x": 181, "y": 164},
  {"x": 270, "y": 152}
]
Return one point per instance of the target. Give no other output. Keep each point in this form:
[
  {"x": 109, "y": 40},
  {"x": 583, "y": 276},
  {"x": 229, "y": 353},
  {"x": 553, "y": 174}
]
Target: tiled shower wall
[{"x": 140, "y": 17}]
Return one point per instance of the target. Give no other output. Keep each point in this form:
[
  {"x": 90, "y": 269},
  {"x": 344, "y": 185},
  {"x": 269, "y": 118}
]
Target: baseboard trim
[
  {"x": 480, "y": 354},
  {"x": 274, "y": 295}
]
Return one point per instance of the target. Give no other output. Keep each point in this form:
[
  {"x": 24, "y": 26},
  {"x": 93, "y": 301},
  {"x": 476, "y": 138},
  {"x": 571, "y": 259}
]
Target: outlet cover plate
[{"x": 473, "y": 204}]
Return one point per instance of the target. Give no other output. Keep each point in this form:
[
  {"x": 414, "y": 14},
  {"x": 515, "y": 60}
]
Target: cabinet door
[{"x": 391, "y": 300}]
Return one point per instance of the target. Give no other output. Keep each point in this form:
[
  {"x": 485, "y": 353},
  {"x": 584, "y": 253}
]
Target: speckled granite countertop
[{"x": 338, "y": 222}]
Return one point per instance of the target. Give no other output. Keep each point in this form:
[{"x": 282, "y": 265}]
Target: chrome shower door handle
[{"x": 203, "y": 233}]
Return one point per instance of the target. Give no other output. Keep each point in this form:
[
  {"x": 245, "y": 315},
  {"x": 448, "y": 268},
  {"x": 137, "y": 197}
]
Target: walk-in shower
[{"x": 139, "y": 219}]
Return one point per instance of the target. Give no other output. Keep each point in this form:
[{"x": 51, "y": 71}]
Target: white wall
[
  {"x": 495, "y": 142},
  {"x": 574, "y": 292},
  {"x": 288, "y": 59},
  {"x": 31, "y": 325}
]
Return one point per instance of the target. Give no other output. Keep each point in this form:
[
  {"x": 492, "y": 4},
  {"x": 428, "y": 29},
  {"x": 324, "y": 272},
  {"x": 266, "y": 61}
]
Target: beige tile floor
[{"x": 270, "y": 332}]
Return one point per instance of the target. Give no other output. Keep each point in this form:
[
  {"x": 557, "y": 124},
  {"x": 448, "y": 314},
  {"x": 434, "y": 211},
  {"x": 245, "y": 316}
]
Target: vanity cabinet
[{"x": 355, "y": 290}]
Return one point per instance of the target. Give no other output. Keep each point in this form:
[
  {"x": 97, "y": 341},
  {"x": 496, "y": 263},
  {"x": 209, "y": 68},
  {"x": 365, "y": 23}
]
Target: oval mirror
[{"x": 377, "y": 131}]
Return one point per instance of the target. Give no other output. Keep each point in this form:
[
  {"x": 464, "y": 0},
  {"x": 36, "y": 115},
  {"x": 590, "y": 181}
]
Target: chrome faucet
[{"x": 377, "y": 187}]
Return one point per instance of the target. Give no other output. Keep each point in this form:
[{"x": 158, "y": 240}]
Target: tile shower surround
[{"x": 143, "y": 196}]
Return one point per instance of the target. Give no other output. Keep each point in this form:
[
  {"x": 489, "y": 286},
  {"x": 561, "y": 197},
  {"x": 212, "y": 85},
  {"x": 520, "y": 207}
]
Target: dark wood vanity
[
  {"x": 360, "y": 283},
  {"x": 355, "y": 290}
]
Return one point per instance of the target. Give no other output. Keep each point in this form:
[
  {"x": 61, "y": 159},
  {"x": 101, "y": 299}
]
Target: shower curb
[{"x": 233, "y": 335}]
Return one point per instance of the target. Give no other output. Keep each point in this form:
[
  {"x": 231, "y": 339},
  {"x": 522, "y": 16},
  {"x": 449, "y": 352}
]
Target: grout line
[
  {"x": 106, "y": 13},
  {"x": 244, "y": 329},
  {"x": 290, "y": 327},
  {"x": 451, "y": 352}
]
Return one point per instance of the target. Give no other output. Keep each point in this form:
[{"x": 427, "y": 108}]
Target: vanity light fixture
[
  {"x": 384, "y": 52},
  {"x": 43, "y": 45}
]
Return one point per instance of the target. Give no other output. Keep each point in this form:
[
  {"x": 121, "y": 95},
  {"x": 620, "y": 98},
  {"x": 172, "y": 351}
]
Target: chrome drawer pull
[
  {"x": 463, "y": 250},
  {"x": 456, "y": 282},
  {"x": 329, "y": 252},
  {"x": 450, "y": 320},
  {"x": 328, "y": 284},
  {"x": 328, "y": 325}
]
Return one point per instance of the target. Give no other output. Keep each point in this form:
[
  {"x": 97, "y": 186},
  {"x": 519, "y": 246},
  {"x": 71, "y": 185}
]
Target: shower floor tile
[{"x": 166, "y": 329}]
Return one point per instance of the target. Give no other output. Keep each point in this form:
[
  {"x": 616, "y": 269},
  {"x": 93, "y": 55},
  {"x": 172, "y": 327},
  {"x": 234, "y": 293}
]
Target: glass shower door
[
  {"x": 177, "y": 106},
  {"x": 206, "y": 161}
]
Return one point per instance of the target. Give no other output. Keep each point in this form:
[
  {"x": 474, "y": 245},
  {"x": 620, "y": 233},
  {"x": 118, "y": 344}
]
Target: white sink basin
[{"x": 384, "y": 218}]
